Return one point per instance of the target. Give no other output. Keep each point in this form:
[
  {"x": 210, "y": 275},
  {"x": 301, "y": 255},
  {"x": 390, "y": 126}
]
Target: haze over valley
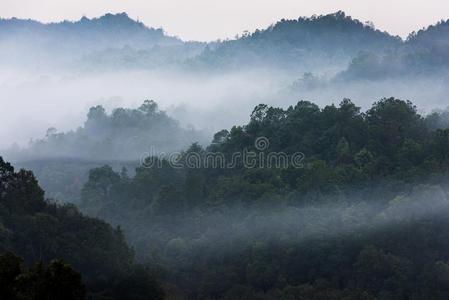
[
  {"x": 306, "y": 159},
  {"x": 60, "y": 70}
]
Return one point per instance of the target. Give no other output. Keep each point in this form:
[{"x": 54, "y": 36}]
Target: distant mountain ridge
[
  {"x": 120, "y": 26},
  {"x": 67, "y": 42},
  {"x": 293, "y": 42},
  {"x": 313, "y": 44},
  {"x": 423, "y": 53}
]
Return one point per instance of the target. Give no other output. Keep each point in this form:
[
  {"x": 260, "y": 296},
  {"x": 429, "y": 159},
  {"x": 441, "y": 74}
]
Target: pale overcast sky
[{"x": 212, "y": 19}]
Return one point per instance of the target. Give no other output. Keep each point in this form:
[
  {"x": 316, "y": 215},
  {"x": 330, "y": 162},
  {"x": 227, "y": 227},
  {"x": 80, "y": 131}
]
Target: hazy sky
[{"x": 213, "y": 19}]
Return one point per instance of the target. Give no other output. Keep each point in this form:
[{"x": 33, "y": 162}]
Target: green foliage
[
  {"x": 138, "y": 285},
  {"x": 42, "y": 231},
  {"x": 10, "y": 269},
  {"x": 55, "y": 281},
  {"x": 351, "y": 224}
]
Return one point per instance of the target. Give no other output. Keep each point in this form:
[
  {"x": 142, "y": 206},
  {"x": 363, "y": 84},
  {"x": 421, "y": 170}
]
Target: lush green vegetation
[
  {"x": 364, "y": 218},
  {"x": 342, "y": 146},
  {"x": 41, "y": 231},
  {"x": 57, "y": 281}
]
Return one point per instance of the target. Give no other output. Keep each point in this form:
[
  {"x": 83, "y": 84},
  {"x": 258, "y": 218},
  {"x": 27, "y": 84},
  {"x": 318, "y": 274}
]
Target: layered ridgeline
[
  {"x": 61, "y": 160},
  {"x": 117, "y": 41},
  {"x": 110, "y": 40},
  {"x": 417, "y": 67},
  {"x": 323, "y": 44},
  {"x": 423, "y": 53},
  {"x": 362, "y": 216},
  {"x": 315, "y": 43},
  {"x": 45, "y": 247}
]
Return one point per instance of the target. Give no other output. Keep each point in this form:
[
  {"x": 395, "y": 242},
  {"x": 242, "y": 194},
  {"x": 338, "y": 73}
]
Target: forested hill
[
  {"x": 424, "y": 53},
  {"x": 325, "y": 43},
  {"x": 69, "y": 43},
  {"x": 335, "y": 41},
  {"x": 123, "y": 134},
  {"x": 35, "y": 232},
  {"x": 110, "y": 30},
  {"x": 364, "y": 216},
  {"x": 293, "y": 42},
  {"x": 432, "y": 36},
  {"x": 61, "y": 160},
  {"x": 432, "y": 43}
]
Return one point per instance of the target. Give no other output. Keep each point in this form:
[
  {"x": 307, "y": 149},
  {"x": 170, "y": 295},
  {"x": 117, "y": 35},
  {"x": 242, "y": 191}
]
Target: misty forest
[{"x": 308, "y": 160}]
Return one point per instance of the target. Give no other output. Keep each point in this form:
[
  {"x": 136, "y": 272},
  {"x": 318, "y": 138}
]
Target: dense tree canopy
[
  {"x": 55, "y": 281},
  {"x": 363, "y": 218},
  {"x": 41, "y": 231}
]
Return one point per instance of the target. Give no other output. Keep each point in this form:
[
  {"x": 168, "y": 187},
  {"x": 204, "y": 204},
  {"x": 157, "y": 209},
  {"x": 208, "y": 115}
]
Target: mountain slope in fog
[
  {"x": 61, "y": 160},
  {"x": 325, "y": 44},
  {"x": 118, "y": 41},
  {"x": 124, "y": 134},
  {"x": 67, "y": 42},
  {"x": 112, "y": 30},
  {"x": 332, "y": 38},
  {"x": 424, "y": 53}
]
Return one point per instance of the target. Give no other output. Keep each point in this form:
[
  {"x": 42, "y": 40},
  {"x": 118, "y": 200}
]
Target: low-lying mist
[
  {"x": 34, "y": 102},
  {"x": 297, "y": 219},
  {"x": 305, "y": 160},
  {"x": 277, "y": 236}
]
